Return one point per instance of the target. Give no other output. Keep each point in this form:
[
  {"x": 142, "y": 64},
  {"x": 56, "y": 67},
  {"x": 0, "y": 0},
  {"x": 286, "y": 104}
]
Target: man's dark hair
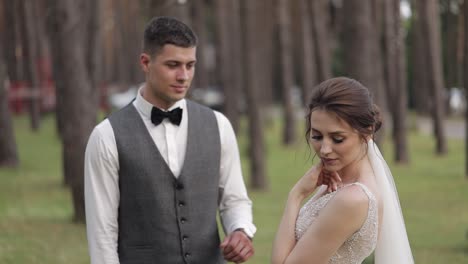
[{"x": 167, "y": 30}]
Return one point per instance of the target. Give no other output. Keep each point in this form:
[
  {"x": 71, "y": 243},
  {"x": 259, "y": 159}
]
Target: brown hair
[
  {"x": 350, "y": 101},
  {"x": 167, "y": 30}
]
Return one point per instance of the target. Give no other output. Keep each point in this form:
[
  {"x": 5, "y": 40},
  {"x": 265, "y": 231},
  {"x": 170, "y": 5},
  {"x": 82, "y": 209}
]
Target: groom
[{"x": 157, "y": 171}]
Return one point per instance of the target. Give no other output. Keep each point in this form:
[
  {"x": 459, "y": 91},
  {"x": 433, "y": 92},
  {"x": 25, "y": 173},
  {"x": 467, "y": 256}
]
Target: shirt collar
[{"x": 145, "y": 107}]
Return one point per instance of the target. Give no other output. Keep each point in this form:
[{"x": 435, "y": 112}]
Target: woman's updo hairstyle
[{"x": 350, "y": 101}]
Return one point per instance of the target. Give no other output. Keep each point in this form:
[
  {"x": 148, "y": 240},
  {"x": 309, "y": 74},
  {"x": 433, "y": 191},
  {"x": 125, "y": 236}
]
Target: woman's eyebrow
[{"x": 332, "y": 133}]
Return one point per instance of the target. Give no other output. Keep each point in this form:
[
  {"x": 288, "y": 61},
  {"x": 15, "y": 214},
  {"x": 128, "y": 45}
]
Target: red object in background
[
  {"x": 16, "y": 101},
  {"x": 19, "y": 92},
  {"x": 46, "y": 84}
]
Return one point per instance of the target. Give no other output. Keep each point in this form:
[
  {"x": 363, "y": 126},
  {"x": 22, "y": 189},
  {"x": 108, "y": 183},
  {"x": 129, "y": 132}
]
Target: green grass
[{"x": 36, "y": 210}]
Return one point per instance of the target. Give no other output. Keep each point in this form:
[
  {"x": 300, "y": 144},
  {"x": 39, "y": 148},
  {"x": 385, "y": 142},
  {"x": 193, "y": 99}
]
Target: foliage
[{"x": 36, "y": 210}]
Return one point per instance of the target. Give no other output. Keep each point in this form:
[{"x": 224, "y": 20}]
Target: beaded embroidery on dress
[{"x": 357, "y": 247}]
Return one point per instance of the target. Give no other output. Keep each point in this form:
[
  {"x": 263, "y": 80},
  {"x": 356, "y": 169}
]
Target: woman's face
[{"x": 338, "y": 145}]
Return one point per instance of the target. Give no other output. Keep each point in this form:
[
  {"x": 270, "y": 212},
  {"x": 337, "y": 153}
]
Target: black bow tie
[{"x": 157, "y": 116}]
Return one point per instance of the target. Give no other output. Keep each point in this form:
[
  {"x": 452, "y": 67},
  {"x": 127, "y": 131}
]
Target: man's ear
[{"x": 145, "y": 60}]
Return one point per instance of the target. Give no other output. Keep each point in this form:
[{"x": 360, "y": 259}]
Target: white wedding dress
[
  {"x": 392, "y": 245},
  {"x": 357, "y": 247}
]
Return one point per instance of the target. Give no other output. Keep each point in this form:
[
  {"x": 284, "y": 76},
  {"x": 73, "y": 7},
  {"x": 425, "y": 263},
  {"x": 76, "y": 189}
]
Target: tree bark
[
  {"x": 8, "y": 149},
  {"x": 201, "y": 79},
  {"x": 10, "y": 46},
  {"x": 30, "y": 52},
  {"x": 430, "y": 25},
  {"x": 129, "y": 36},
  {"x": 465, "y": 79},
  {"x": 420, "y": 86},
  {"x": 287, "y": 77},
  {"x": 357, "y": 30},
  {"x": 309, "y": 75},
  {"x": 265, "y": 20},
  {"x": 450, "y": 32},
  {"x": 361, "y": 52},
  {"x": 378, "y": 65},
  {"x": 70, "y": 66},
  {"x": 395, "y": 77},
  {"x": 228, "y": 56},
  {"x": 319, "y": 13},
  {"x": 252, "y": 86},
  {"x": 174, "y": 8}
]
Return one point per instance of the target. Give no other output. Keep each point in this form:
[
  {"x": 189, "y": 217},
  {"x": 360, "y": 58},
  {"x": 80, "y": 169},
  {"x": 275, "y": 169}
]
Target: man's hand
[{"x": 237, "y": 247}]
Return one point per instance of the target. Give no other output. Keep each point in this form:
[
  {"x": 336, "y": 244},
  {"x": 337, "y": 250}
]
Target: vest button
[
  {"x": 183, "y": 220},
  {"x": 179, "y": 186},
  {"x": 181, "y": 204},
  {"x": 184, "y": 238},
  {"x": 187, "y": 255}
]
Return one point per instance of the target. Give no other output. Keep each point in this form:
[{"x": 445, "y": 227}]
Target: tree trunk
[
  {"x": 450, "y": 47},
  {"x": 430, "y": 25},
  {"x": 93, "y": 49},
  {"x": 265, "y": 23},
  {"x": 252, "y": 86},
  {"x": 173, "y": 8},
  {"x": 129, "y": 38},
  {"x": 420, "y": 86},
  {"x": 361, "y": 53},
  {"x": 8, "y": 149},
  {"x": 80, "y": 111},
  {"x": 286, "y": 64},
  {"x": 379, "y": 83},
  {"x": 10, "y": 46},
  {"x": 201, "y": 79},
  {"x": 319, "y": 13},
  {"x": 395, "y": 72},
  {"x": 30, "y": 53},
  {"x": 228, "y": 36},
  {"x": 309, "y": 76},
  {"x": 465, "y": 79},
  {"x": 358, "y": 42}
]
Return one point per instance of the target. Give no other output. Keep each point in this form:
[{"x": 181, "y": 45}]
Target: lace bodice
[{"x": 357, "y": 247}]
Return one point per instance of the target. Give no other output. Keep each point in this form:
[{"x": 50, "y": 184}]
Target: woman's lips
[{"x": 329, "y": 161}]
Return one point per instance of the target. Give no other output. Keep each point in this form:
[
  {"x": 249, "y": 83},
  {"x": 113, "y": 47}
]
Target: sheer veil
[{"x": 393, "y": 245}]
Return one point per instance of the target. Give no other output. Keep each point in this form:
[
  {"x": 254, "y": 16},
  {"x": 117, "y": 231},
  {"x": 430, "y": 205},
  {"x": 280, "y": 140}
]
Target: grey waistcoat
[{"x": 163, "y": 219}]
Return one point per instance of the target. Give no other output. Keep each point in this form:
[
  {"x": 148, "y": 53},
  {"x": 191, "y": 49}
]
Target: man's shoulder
[
  {"x": 121, "y": 111},
  {"x": 220, "y": 117},
  {"x": 193, "y": 104}
]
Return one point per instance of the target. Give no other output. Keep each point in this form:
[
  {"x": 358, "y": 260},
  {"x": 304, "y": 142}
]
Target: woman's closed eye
[
  {"x": 316, "y": 137},
  {"x": 336, "y": 140}
]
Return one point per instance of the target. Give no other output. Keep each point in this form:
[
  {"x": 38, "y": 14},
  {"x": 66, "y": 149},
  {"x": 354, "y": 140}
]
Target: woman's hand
[
  {"x": 308, "y": 183},
  {"x": 331, "y": 179},
  {"x": 314, "y": 177}
]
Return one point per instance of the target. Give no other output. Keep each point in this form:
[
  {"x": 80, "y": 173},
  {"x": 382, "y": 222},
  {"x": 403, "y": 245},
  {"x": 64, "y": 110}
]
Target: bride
[{"x": 355, "y": 207}]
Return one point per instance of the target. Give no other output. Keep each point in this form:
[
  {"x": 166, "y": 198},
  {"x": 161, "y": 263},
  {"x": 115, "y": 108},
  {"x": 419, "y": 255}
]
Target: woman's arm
[
  {"x": 285, "y": 240},
  {"x": 342, "y": 216}
]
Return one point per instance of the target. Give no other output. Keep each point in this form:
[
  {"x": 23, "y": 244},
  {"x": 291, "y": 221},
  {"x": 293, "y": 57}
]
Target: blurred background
[{"x": 66, "y": 64}]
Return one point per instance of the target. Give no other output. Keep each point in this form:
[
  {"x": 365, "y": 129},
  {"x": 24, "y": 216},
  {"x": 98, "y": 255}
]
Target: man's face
[{"x": 169, "y": 74}]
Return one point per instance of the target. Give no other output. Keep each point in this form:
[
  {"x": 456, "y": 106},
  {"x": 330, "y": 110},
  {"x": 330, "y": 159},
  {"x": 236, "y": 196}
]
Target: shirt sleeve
[
  {"x": 102, "y": 195},
  {"x": 235, "y": 207}
]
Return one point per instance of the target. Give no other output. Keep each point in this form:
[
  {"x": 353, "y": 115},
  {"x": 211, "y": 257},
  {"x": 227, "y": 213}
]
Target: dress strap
[{"x": 365, "y": 189}]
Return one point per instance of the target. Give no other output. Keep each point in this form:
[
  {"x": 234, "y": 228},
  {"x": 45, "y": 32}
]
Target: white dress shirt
[{"x": 102, "y": 178}]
